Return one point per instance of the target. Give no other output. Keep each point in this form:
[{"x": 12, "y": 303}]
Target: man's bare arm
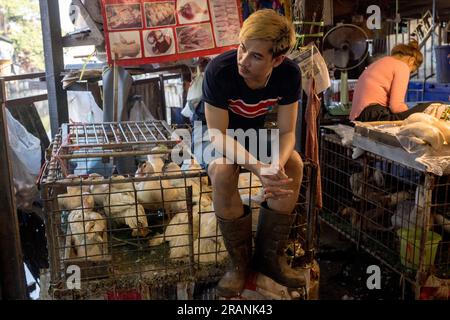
[{"x": 287, "y": 119}]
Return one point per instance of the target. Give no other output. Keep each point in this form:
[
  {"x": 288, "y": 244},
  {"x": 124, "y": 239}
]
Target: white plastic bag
[
  {"x": 187, "y": 110},
  {"x": 195, "y": 89},
  {"x": 83, "y": 108},
  {"x": 194, "y": 95},
  {"x": 140, "y": 112},
  {"x": 26, "y": 146},
  {"x": 25, "y": 158}
]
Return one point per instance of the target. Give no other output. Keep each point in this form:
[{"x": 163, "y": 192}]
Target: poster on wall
[{"x": 153, "y": 31}]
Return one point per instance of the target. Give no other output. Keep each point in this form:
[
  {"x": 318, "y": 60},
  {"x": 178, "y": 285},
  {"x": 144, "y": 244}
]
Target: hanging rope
[{"x": 85, "y": 62}]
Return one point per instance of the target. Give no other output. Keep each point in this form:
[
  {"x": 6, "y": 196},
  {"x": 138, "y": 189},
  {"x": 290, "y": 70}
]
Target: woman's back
[{"x": 384, "y": 82}]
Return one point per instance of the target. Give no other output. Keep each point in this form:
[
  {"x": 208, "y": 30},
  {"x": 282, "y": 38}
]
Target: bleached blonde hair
[{"x": 266, "y": 24}]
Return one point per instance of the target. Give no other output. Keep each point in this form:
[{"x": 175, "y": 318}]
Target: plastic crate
[
  {"x": 415, "y": 91},
  {"x": 437, "y": 92}
]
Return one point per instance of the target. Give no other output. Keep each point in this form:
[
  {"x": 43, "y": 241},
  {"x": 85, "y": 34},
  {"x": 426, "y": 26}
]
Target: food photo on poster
[
  {"x": 158, "y": 14},
  {"x": 158, "y": 42},
  {"x": 190, "y": 11},
  {"x": 195, "y": 37},
  {"x": 226, "y": 21},
  {"x": 154, "y": 31},
  {"x": 125, "y": 45},
  {"x": 123, "y": 16}
]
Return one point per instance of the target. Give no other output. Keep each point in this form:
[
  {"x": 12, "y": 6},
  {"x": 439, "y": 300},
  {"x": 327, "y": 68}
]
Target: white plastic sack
[
  {"x": 83, "y": 108},
  {"x": 26, "y": 146},
  {"x": 140, "y": 112},
  {"x": 195, "y": 89},
  {"x": 25, "y": 157},
  {"x": 187, "y": 110},
  {"x": 194, "y": 96}
]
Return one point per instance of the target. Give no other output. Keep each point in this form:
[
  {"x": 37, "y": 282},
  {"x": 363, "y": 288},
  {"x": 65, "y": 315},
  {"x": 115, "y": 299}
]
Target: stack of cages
[
  {"x": 398, "y": 214},
  {"x": 124, "y": 220}
]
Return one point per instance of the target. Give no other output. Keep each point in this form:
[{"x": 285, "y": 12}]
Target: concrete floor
[{"x": 343, "y": 271}]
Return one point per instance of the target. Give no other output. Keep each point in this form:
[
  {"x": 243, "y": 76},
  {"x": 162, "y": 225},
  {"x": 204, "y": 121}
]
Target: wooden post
[{"x": 12, "y": 274}]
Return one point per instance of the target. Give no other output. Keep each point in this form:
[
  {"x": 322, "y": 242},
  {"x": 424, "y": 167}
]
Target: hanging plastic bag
[
  {"x": 139, "y": 111},
  {"x": 25, "y": 158},
  {"x": 83, "y": 108},
  {"x": 195, "y": 89},
  {"x": 187, "y": 111},
  {"x": 194, "y": 95}
]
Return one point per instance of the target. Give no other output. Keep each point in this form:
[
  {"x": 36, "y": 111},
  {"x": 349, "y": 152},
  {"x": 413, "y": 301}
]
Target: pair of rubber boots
[{"x": 269, "y": 257}]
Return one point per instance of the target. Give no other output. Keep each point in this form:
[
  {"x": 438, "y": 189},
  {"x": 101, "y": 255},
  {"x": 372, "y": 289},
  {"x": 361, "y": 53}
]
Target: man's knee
[{"x": 223, "y": 175}]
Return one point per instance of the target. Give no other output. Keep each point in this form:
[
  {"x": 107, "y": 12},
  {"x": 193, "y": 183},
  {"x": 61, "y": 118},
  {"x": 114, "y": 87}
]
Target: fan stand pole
[
  {"x": 115, "y": 89},
  {"x": 344, "y": 89}
]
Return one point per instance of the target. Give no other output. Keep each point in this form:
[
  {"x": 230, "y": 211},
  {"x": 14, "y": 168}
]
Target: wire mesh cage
[
  {"x": 397, "y": 213},
  {"x": 125, "y": 221}
]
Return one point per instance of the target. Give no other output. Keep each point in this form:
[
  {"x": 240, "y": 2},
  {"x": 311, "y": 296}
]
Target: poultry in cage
[
  {"x": 361, "y": 189},
  {"x": 86, "y": 236},
  {"x": 409, "y": 214},
  {"x": 250, "y": 188},
  {"x": 191, "y": 165},
  {"x": 206, "y": 236},
  {"x": 198, "y": 185},
  {"x": 177, "y": 235},
  {"x": 209, "y": 246},
  {"x": 120, "y": 204},
  {"x": 98, "y": 191},
  {"x": 72, "y": 198},
  {"x": 160, "y": 193},
  {"x": 208, "y": 243},
  {"x": 375, "y": 190}
]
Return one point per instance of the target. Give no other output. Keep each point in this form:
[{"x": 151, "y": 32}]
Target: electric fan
[{"x": 345, "y": 47}]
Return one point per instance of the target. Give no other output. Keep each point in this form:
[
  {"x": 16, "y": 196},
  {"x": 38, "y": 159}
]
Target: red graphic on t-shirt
[{"x": 249, "y": 110}]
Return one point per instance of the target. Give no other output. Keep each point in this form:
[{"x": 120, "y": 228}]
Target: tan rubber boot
[
  {"x": 237, "y": 236},
  {"x": 271, "y": 239}
]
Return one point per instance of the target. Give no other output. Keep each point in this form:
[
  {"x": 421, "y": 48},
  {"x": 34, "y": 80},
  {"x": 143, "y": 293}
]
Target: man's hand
[{"x": 274, "y": 181}]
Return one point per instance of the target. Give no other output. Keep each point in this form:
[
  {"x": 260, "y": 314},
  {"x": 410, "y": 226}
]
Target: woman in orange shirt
[{"x": 380, "y": 91}]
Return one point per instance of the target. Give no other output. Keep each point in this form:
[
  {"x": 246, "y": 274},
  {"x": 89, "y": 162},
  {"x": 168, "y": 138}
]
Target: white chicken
[
  {"x": 191, "y": 165},
  {"x": 72, "y": 199},
  {"x": 121, "y": 205},
  {"x": 99, "y": 191},
  {"x": 209, "y": 246},
  {"x": 156, "y": 194},
  {"x": 198, "y": 188},
  {"x": 208, "y": 243},
  {"x": 86, "y": 232},
  {"x": 250, "y": 188},
  {"x": 177, "y": 234},
  {"x": 157, "y": 159},
  {"x": 410, "y": 214},
  {"x": 124, "y": 186},
  {"x": 172, "y": 169}
]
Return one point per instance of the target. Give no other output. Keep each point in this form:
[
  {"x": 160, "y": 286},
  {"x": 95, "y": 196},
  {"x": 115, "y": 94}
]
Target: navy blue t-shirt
[{"x": 224, "y": 88}]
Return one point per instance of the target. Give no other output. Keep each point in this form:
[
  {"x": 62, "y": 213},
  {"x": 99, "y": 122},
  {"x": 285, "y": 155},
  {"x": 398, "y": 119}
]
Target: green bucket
[{"x": 410, "y": 247}]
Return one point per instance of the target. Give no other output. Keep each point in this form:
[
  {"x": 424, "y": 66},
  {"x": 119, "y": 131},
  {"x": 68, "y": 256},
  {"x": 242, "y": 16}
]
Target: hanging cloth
[{"x": 312, "y": 141}]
